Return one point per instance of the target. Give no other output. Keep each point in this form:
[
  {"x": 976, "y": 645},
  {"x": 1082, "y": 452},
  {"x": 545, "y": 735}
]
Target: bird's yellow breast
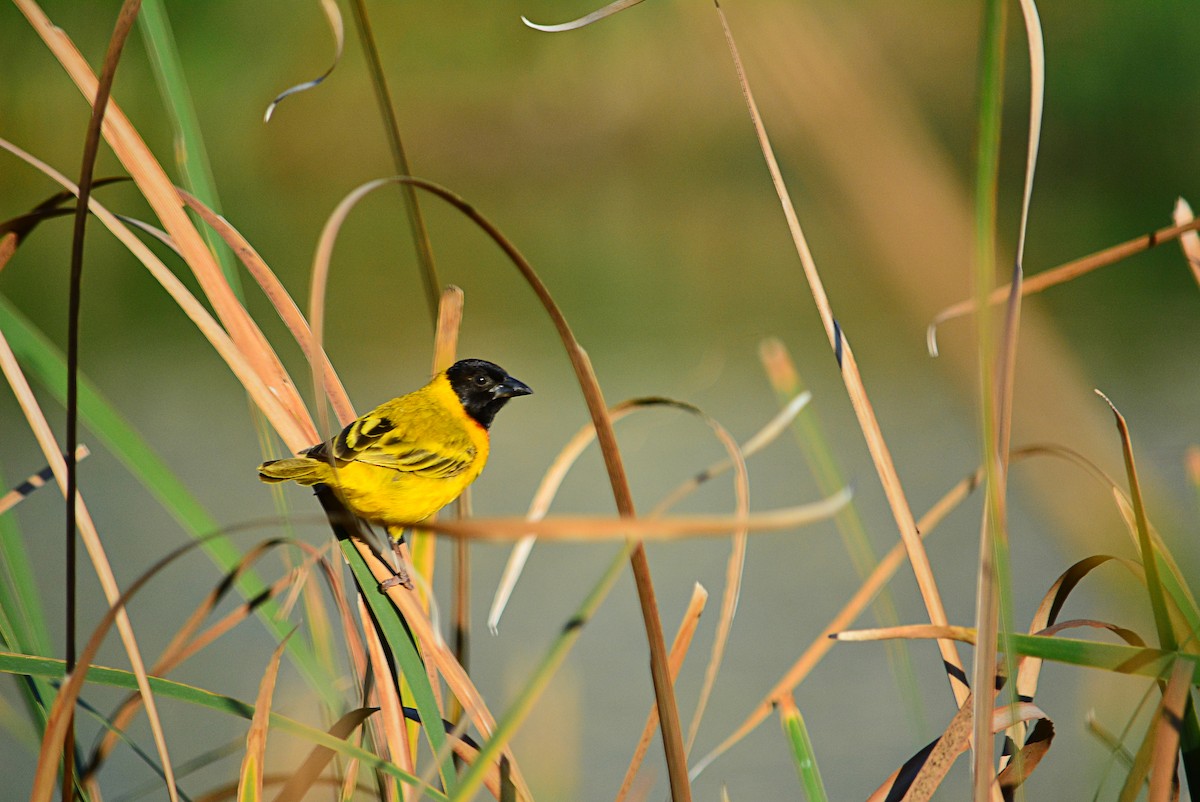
[{"x": 429, "y": 420}]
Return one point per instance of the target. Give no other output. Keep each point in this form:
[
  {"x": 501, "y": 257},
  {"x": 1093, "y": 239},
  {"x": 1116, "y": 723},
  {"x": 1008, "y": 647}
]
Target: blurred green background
[{"x": 621, "y": 161}]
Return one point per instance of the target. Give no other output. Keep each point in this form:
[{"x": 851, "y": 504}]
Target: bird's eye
[{"x": 481, "y": 381}]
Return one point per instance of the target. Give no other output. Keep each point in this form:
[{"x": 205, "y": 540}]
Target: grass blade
[
  {"x": 802, "y": 750},
  {"x": 863, "y": 410},
  {"x": 250, "y": 778},
  {"x": 192, "y": 160},
  {"x": 391, "y": 127},
  {"x": 679, "y": 650}
]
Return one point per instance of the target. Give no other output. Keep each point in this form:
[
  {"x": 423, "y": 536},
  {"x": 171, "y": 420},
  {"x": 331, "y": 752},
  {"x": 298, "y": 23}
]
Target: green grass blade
[
  {"x": 802, "y": 751},
  {"x": 22, "y": 621},
  {"x": 53, "y": 670},
  {"x": 191, "y": 155},
  {"x": 408, "y": 661},
  {"x": 45, "y": 362},
  {"x": 20, "y": 604},
  {"x": 507, "y": 725},
  {"x": 1143, "y": 662},
  {"x": 809, "y": 433}
]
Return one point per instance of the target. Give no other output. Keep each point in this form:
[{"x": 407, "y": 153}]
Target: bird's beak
[{"x": 510, "y": 388}]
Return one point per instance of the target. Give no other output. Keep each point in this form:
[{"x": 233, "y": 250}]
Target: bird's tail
[{"x": 303, "y": 470}]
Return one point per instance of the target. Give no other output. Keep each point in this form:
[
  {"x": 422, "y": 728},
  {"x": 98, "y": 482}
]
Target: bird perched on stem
[{"x": 409, "y": 457}]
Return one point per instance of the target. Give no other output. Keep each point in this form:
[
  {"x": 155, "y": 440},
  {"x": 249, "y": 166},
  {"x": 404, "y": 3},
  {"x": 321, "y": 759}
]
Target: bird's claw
[{"x": 401, "y": 579}]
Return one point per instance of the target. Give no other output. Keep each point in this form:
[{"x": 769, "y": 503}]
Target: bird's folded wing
[{"x": 376, "y": 440}]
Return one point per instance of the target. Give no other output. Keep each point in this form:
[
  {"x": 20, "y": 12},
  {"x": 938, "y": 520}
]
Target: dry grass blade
[
  {"x": 286, "y": 412},
  {"x": 1168, "y": 728},
  {"x": 338, "y": 29},
  {"x": 947, "y": 748},
  {"x": 1046, "y": 615},
  {"x": 22, "y": 491},
  {"x": 586, "y": 19},
  {"x": 855, "y": 389},
  {"x": 1027, "y": 758},
  {"x": 1062, "y": 274},
  {"x": 91, "y": 540},
  {"x": 589, "y": 528},
  {"x": 280, "y": 299},
  {"x": 821, "y": 645},
  {"x": 1188, "y": 241},
  {"x": 185, "y": 643},
  {"x": 908, "y": 632},
  {"x": 540, "y": 505},
  {"x": 449, "y": 321},
  {"x": 679, "y": 650},
  {"x": 160, "y": 193},
  {"x": 250, "y": 783},
  {"x": 761, "y": 439},
  {"x": 297, "y": 784},
  {"x": 921, "y": 776},
  {"x": 445, "y": 347}
]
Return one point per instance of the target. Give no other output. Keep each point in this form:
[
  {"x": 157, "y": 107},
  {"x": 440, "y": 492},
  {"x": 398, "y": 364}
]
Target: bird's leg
[{"x": 401, "y": 577}]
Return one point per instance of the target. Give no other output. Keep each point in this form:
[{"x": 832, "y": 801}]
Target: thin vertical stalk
[
  {"x": 91, "y": 147},
  {"x": 391, "y": 125},
  {"x": 993, "y": 546}
]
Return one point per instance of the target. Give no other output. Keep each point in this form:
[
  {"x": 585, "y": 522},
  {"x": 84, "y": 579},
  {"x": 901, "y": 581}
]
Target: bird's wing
[{"x": 376, "y": 439}]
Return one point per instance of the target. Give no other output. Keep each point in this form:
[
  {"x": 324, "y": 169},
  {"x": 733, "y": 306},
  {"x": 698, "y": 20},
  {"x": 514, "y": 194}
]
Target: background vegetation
[{"x": 620, "y": 160}]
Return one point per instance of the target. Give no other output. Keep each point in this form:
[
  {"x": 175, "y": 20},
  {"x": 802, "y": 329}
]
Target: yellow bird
[{"x": 409, "y": 457}]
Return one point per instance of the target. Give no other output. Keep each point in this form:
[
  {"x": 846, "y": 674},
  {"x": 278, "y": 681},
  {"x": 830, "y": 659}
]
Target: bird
[{"x": 406, "y": 459}]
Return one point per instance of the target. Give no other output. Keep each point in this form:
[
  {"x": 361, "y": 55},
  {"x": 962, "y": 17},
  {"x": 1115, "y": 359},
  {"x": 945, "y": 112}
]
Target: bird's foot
[{"x": 400, "y": 579}]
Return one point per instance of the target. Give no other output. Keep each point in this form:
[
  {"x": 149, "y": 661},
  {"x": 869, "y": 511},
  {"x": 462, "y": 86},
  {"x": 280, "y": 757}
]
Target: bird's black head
[{"x": 483, "y": 388}]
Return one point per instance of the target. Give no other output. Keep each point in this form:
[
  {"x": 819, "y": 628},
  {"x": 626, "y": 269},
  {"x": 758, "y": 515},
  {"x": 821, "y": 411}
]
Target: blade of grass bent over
[
  {"x": 594, "y": 398},
  {"x": 1189, "y": 242},
  {"x": 587, "y": 19},
  {"x": 280, "y": 299},
  {"x": 334, "y": 17},
  {"x": 856, "y": 391},
  {"x": 282, "y": 407}
]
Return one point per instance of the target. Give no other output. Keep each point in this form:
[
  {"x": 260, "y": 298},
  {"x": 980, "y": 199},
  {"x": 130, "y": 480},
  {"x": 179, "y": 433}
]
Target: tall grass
[{"x": 395, "y": 713}]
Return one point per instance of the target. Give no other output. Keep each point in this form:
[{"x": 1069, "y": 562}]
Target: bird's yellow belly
[{"x": 394, "y": 498}]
